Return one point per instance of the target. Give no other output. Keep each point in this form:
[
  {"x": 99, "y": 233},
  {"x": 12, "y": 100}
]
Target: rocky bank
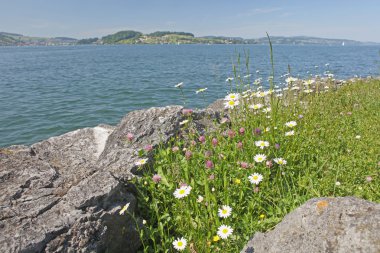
[{"x": 64, "y": 194}]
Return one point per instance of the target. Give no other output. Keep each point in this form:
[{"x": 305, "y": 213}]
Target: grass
[{"x": 334, "y": 152}]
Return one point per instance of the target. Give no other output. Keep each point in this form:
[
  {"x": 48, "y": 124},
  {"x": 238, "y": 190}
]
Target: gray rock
[
  {"x": 56, "y": 199},
  {"x": 64, "y": 194},
  {"x": 150, "y": 127},
  {"x": 342, "y": 225},
  {"x": 73, "y": 155}
]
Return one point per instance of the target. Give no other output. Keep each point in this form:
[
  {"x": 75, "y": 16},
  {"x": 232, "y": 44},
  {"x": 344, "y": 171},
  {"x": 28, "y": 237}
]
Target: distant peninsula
[{"x": 166, "y": 37}]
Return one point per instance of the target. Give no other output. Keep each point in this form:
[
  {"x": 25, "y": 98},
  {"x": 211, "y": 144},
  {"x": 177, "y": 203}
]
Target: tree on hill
[
  {"x": 163, "y": 33},
  {"x": 123, "y": 35},
  {"x": 87, "y": 41}
]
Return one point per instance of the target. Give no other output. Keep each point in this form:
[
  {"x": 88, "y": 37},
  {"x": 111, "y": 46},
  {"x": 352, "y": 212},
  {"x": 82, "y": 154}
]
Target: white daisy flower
[
  {"x": 178, "y": 85},
  {"x": 180, "y": 244},
  {"x": 231, "y": 104},
  {"x": 229, "y": 79},
  {"x": 295, "y": 88},
  {"x": 257, "y": 81},
  {"x": 309, "y": 82},
  {"x": 122, "y": 211},
  {"x": 262, "y": 144},
  {"x": 224, "y": 231},
  {"x": 225, "y": 211},
  {"x": 183, "y": 122},
  {"x": 247, "y": 91},
  {"x": 201, "y": 90},
  {"x": 255, "y": 178},
  {"x": 290, "y": 79},
  {"x": 260, "y": 158},
  {"x": 199, "y": 199},
  {"x": 182, "y": 192},
  {"x": 267, "y": 110},
  {"x": 141, "y": 162},
  {"x": 291, "y": 124},
  {"x": 256, "y": 106},
  {"x": 260, "y": 94},
  {"x": 232, "y": 96},
  {"x": 280, "y": 161},
  {"x": 308, "y": 91},
  {"x": 290, "y": 133}
]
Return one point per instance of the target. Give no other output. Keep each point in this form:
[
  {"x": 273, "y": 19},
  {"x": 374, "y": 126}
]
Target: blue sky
[{"x": 346, "y": 19}]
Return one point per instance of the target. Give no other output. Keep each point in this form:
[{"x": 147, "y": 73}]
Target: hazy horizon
[{"x": 350, "y": 20}]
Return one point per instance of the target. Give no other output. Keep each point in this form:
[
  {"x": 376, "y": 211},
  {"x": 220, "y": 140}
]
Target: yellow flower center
[
  {"x": 225, "y": 231},
  {"x": 224, "y": 211},
  {"x": 179, "y": 244},
  {"x": 262, "y": 144},
  {"x": 231, "y": 102},
  {"x": 181, "y": 191},
  {"x": 260, "y": 159},
  {"x": 255, "y": 177}
]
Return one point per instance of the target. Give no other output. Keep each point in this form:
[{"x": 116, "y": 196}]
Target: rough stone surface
[
  {"x": 149, "y": 127},
  {"x": 64, "y": 194},
  {"x": 56, "y": 198},
  {"x": 342, "y": 225}
]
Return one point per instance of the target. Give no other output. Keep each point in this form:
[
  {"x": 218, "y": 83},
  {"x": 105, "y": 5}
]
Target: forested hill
[{"x": 166, "y": 37}]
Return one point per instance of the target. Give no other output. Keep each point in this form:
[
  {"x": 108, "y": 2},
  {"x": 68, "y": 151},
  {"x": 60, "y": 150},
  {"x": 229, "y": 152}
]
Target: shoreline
[{"x": 213, "y": 105}]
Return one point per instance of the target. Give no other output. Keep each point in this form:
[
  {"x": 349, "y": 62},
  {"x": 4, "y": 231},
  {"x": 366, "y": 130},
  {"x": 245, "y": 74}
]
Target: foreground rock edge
[
  {"x": 64, "y": 194},
  {"x": 341, "y": 224}
]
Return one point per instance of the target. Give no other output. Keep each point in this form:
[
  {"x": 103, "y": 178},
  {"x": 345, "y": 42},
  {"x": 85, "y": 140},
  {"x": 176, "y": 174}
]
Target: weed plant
[{"x": 278, "y": 148}]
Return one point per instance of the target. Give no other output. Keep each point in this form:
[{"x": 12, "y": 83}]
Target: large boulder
[
  {"x": 342, "y": 225},
  {"x": 55, "y": 198},
  {"x": 64, "y": 194}
]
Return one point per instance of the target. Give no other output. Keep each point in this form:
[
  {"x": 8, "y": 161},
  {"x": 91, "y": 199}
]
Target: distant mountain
[
  {"x": 165, "y": 37},
  {"x": 168, "y": 37},
  {"x": 222, "y": 38},
  {"x": 13, "y": 39},
  {"x": 306, "y": 40}
]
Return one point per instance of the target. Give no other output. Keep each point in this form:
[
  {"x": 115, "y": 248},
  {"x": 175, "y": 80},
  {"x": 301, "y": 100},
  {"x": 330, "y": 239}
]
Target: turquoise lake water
[{"x": 47, "y": 91}]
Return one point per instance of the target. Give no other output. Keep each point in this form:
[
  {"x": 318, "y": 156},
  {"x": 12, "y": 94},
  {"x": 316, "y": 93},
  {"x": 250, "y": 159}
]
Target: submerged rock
[{"x": 344, "y": 224}]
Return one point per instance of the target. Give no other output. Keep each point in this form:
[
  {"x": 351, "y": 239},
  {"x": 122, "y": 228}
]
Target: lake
[{"x": 47, "y": 91}]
